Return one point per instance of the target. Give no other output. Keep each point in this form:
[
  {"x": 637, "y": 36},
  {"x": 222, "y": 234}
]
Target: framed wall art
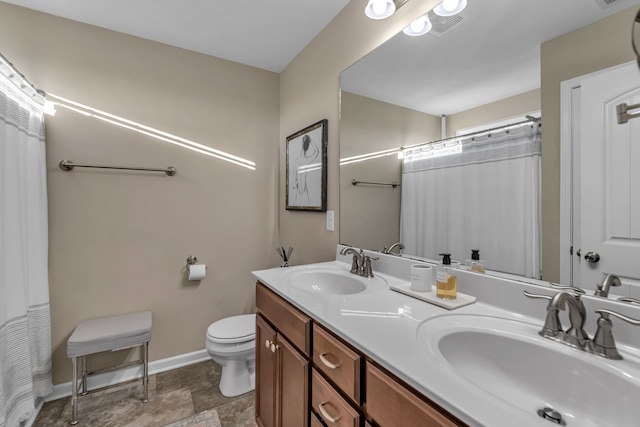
[{"x": 307, "y": 169}]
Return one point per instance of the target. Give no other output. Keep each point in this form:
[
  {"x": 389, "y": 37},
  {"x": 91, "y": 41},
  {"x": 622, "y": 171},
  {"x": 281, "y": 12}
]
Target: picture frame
[{"x": 307, "y": 169}]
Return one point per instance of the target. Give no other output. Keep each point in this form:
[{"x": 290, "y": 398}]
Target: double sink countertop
[{"x": 396, "y": 331}]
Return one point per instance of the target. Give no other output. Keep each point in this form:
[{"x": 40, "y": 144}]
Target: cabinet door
[
  {"x": 293, "y": 385},
  {"x": 265, "y": 374}
]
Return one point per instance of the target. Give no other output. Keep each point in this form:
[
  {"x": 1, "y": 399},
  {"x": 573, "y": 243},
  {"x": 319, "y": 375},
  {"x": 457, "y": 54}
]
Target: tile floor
[{"x": 184, "y": 397}]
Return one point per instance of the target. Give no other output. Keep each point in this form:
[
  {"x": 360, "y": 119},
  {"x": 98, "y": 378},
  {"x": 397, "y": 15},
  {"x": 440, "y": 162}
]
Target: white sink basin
[
  {"x": 330, "y": 281},
  {"x": 507, "y": 364}
]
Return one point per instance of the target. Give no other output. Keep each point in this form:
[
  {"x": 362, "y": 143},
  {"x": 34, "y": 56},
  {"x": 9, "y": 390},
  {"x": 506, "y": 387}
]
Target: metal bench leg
[
  {"x": 145, "y": 378},
  {"x": 84, "y": 376},
  {"x": 74, "y": 391}
]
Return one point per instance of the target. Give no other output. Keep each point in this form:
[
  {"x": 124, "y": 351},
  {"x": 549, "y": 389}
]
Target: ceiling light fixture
[
  {"x": 450, "y": 7},
  {"x": 418, "y": 27},
  {"x": 380, "y": 9}
]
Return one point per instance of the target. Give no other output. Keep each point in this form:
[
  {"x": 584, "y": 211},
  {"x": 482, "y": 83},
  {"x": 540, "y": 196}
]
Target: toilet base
[{"x": 238, "y": 377}]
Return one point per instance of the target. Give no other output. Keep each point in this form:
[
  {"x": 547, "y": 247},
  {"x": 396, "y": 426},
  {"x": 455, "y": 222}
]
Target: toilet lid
[{"x": 233, "y": 329}]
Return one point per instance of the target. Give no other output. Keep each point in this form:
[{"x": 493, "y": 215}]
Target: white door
[{"x": 609, "y": 178}]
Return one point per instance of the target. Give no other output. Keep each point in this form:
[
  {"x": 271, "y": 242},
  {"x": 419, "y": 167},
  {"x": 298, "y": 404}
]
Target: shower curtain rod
[
  {"x": 530, "y": 119},
  {"x": 13, "y": 69}
]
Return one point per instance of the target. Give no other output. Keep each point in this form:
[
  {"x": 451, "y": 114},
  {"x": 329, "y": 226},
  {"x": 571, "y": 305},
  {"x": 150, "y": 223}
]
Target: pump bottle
[
  {"x": 475, "y": 263},
  {"x": 446, "y": 282}
]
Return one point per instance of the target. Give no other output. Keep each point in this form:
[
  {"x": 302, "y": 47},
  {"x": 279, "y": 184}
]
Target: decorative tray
[{"x": 430, "y": 297}]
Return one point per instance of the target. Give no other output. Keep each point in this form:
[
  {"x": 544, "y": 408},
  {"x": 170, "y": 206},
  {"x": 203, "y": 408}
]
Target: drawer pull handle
[
  {"x": 267, "y": 343},
  {"x": 326, "y": 415},
  {"x": 328, "y": 364}
]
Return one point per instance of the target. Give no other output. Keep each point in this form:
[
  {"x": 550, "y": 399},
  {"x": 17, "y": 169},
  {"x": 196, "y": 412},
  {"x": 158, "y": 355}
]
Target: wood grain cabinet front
[
  {"x": 282, "y": 368},
  {"x": 332, "y": 408},
  {"x": 390, "y": 404},
  {"x": 337, "y": 362}
]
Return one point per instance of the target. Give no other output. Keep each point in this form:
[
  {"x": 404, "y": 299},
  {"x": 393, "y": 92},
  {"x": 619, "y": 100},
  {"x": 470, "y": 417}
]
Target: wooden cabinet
[
  {"x": 390, "y": 404},
  {"x": 265, "y": 374},
  {"x": 282, "y": 370},
  {"x": 295, "y": 373}
]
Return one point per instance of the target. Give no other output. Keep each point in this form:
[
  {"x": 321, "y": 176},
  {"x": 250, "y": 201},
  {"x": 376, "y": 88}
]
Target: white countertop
[{"x": 383, "y": 324}]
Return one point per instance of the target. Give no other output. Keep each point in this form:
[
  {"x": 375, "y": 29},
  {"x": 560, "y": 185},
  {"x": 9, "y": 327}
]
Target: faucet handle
[
  {"x": 629, "y": 300},
  {"x": 367, "y": 270},
  {"x": 536, "y": 296},
  {"x": 575, "y": 289},
  {"x": 603, "y": 342},
  {"x": 552, "y": 327}
]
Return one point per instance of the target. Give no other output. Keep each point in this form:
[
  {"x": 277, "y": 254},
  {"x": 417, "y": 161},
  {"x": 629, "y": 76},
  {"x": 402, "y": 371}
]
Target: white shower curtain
[
  {"x": 25, "y": 326},
  {"x": 484, "y": 195}
]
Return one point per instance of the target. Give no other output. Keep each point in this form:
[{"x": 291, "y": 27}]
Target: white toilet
[{"x": 231, "y": 342}]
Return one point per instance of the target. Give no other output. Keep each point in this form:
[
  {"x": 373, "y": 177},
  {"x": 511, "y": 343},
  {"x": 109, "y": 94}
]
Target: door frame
[{"x": 566, "y": 169}]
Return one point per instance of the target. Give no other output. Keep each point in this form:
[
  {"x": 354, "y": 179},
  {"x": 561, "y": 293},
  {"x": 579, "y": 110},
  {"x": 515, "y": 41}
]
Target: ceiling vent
[
  {"x": 444, "y": 24},
  {"x": 605, "y": 3}
]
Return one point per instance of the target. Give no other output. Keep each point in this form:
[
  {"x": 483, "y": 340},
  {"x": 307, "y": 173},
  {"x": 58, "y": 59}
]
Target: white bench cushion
[{"x": 110, "y": 333}]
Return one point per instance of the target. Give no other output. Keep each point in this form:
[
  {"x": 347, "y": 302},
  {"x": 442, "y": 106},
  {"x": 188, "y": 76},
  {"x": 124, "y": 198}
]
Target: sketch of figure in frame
[{"x": 306, "y": 168}]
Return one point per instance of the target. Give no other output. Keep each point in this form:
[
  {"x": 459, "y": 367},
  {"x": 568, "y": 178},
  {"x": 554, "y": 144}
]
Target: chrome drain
[{"x": 552, "y": 415}]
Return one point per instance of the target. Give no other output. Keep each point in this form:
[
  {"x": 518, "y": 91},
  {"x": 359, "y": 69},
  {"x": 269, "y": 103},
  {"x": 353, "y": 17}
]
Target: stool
[{"x": 108, "y": 334}]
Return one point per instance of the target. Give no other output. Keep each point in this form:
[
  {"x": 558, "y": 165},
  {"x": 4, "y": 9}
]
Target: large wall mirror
[{"x": 480, "y": 68}]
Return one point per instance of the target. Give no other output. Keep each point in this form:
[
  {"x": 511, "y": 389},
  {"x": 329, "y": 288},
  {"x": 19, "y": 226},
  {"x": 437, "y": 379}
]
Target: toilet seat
[{"x": 234, "y": 329}]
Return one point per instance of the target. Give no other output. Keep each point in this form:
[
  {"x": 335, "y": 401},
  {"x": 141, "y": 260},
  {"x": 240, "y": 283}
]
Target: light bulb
[
  {"x": 379, "y": 6},
  {"x": 418, "y": 27},
  {"x": 450, "y": 5},
  {"x": 380, "y": 9}
]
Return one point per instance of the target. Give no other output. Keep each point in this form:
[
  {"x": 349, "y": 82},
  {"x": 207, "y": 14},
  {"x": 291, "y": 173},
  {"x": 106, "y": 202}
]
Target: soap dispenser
[
  {"x": 475, "y": 263},
  {"x": 446, "y": 280}
]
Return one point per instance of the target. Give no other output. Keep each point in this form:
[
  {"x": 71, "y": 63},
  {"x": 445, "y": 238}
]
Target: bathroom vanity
[{"x": 335, "y": 349}]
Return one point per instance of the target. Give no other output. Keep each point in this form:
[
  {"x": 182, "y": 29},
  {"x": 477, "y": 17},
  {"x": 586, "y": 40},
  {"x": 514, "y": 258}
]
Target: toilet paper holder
[{"x": 191, "y": 260}]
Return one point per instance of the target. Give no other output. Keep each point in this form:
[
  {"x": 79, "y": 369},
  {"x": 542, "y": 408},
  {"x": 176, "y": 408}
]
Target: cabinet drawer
[
  {"x": 338, "y": 362},
  {"x": 330, "y": 406},
  {"x": 293, "y": 324},
  {"x": 390, "y": 404},
  {"x": 315, "y": 421}
]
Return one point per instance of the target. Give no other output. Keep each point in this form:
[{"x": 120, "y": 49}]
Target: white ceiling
[
  {"x": 266, "y": 34},
  {"x": 493, "y": 53}
]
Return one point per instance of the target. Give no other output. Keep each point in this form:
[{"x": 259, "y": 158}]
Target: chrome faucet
[
  {"x": 575, "y": 336},
  {"x": 603, "y": 343},
  {"x": 361, "y": 263},
  {"x": 398, "y": 245},
  {"x": 357, "y": 258},
  {"x": 608, "y": 281}
]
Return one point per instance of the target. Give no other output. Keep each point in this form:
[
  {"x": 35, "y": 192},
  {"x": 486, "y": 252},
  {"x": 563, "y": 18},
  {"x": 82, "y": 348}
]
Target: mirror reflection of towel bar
[{"x": 392, "y": 184}]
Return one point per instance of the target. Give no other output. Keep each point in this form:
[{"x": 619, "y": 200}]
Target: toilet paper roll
[
  {"x": 421, "y": 277},
  {"x": 197, "y": 271}
]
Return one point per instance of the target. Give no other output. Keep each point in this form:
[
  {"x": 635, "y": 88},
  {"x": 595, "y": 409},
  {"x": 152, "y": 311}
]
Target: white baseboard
[{"x": 131, "y": 373}]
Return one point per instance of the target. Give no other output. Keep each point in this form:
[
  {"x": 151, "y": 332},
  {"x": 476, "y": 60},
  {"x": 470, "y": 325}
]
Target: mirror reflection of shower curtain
[
  {"x": 25, "y": 321},
  {"x": 484, "y": 195}
]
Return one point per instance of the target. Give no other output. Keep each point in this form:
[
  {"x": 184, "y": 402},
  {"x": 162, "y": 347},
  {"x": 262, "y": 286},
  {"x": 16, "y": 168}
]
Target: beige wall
[
  {"x": 309, "y": 91},
  {"x": 594, "y": 47},
  {"x": 118, "y": 241},
  {"x": 370, "y": 215},
  {"x": 504, "y": 109}
]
